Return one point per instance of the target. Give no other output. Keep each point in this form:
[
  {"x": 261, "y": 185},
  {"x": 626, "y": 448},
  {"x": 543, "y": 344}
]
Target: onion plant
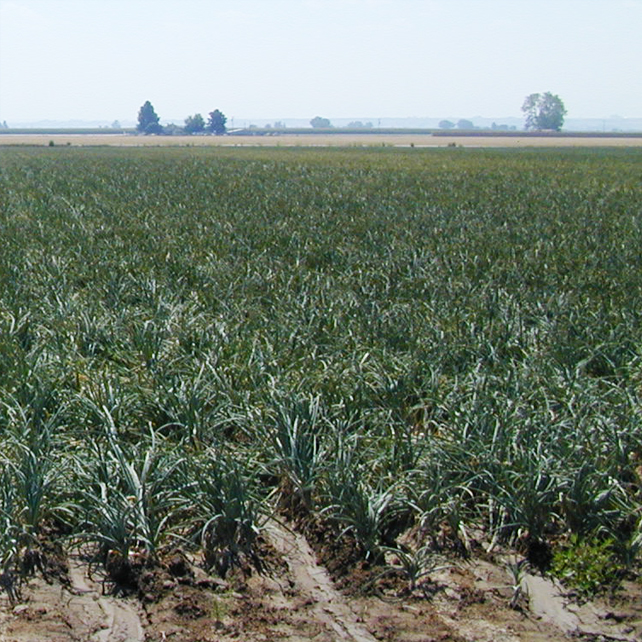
[
  {"x": 225, "y": 510},
  {"x": 10, "y": 539},
  {"x": 294, "y": 433},
  {"x": 131, "y": 497}
]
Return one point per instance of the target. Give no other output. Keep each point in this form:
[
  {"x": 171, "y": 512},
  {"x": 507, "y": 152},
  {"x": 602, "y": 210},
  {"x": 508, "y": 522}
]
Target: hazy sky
[{"x": 101, "y": 59}]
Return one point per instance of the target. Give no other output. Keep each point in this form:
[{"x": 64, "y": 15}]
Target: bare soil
[{"x": 295, "y": 598}]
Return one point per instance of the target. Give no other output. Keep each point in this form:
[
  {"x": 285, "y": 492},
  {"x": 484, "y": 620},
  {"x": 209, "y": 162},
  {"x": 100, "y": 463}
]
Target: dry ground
[
  {"x": 320, "y": 140},
  {"x": 294, "y": 599}
]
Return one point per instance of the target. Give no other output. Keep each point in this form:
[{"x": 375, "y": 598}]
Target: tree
[
  {"x": 446, "y": 124},
  {"x": 216, "y": 122},
  {"x": 463, "y": 123},
  {"x": 544, "y": 111},
  {"x": 194, "y": 124},
  {"x": 148, "y": 121},
  {"x": 320, "y": 123}
]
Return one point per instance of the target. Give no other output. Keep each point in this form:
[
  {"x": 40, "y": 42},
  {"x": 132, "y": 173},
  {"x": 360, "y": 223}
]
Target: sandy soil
[
  {"x": 294, "y": 599},
  {"x": 77, "y": 611},
  {"x": 314, "y": 140}
]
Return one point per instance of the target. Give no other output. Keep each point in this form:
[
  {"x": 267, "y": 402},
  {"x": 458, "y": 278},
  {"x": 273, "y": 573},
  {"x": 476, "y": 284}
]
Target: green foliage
[
  {"x": 544, "y": 112},
  {"x": 148, "y": 121},
  {"x": 226, "y": 510},
  {"x": 440, "y": 336},
  {"x": 415, "y": 566},
  {"x": 361, "y": 510},
  {"x": 129, "y": 497},
  {"x": 194, "y": 124},
  {"x": 216, "y": 122},
  {"x": 588, "y": 565}
]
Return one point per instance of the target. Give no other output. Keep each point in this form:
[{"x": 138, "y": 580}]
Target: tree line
[
  {"x": 149, "y": 123},
  {"x": 542, "y": 111}
]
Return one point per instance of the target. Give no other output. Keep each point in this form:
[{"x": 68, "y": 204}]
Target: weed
[{"x": 587, "y": 565}]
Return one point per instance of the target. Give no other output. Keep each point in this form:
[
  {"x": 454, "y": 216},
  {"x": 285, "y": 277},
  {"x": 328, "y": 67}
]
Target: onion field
[{"x": 429, "y": 353}]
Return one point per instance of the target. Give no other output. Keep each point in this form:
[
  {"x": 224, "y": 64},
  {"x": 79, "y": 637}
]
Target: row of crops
[{"x": 444, "y": 340}]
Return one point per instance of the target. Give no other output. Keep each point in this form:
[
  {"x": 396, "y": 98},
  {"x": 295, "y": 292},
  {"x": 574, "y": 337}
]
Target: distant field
[{"x": 320, "y": 140}]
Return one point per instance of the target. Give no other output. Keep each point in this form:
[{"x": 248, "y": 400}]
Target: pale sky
[{"x": 101, "y": 59}]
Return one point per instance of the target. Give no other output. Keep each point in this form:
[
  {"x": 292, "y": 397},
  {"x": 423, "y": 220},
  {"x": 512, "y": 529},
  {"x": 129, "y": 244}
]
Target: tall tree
[
  {"x": 544, "y": 111},
  {"x": 148, "y": 121},
  {"x": 216, "y": 122},
  {"x": 194, "y": 124}
]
